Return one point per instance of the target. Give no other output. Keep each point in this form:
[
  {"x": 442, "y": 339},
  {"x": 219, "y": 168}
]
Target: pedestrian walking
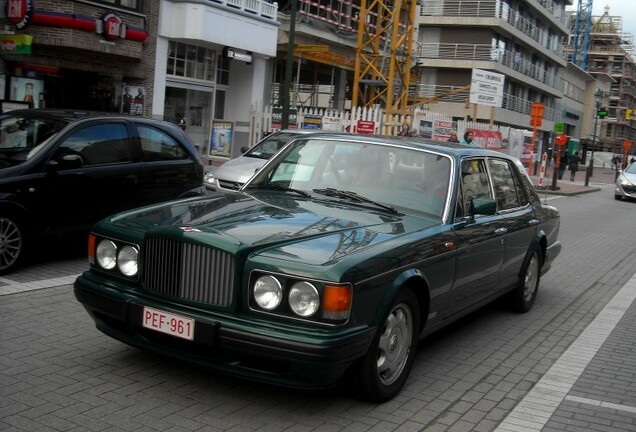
[
  {"x": 468, "y": 139},
  {"x": 563, "y": 163},
  {"x": 574, "y": 165}
]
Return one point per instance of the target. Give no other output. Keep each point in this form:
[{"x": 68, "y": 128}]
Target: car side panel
[{"x": 480, "y": 254}]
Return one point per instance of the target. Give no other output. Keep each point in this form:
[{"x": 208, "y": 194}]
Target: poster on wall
[
  {"x": 442, "y": 130},
  {"x": 426, "y": 129},
  {"x": 27, "y": 90},
  {"x": 133, "y": 100},
  {"x": 221, "y": 139}
]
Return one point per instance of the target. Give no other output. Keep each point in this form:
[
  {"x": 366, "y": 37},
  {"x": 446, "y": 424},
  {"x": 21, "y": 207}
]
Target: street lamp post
[{"x": 590, "y": 169}]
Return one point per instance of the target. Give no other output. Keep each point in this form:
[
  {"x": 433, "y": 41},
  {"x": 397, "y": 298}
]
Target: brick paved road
[{"x": 58, "y": 373}]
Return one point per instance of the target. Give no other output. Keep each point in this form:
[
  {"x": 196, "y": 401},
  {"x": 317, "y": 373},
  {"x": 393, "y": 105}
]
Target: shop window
[
  {"x": 190, "y": 61},
  {"x": 127, "y": 4},
  {"x": 158, "y": 146}
]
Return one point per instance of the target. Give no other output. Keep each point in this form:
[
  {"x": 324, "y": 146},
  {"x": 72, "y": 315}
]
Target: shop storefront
[
  {"x": 76, "y": 55},
  {"x": 214, "y": 67}
]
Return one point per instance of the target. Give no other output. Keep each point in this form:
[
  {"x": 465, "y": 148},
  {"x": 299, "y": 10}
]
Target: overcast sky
[{"x": 622, "y": 8}]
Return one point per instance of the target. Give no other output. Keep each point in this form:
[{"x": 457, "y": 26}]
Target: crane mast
[
  {"x": 582, "y": 27},
  {"x": 383, "y": 54}
]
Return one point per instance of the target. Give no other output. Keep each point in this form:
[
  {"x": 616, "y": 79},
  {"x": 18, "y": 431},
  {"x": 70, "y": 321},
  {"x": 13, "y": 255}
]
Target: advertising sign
[
  {"x": 331, "y": 124},
  {"x": 311, "y": 121},
  {"x": 491, "y": 140},
  {"x": 426, "y": 129},
  {"x": 277, "y": 117},
  {"x": 27, "y": 90},
  {"x": 365, "y": 127},
  {"x": 486, "y": 88},
  {"x": 221, "y": 139},
  {"x": 442, "y": 130},
  {"x": 132, "y": 100}
]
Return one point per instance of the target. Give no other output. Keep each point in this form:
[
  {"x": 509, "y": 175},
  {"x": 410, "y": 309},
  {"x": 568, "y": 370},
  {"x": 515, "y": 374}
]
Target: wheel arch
[{"x": 415, "y": 281}]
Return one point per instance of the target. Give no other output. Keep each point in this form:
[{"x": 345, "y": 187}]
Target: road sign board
[
  {"x": 561, "y": 139},
  {"x": 559, "y": 127}
]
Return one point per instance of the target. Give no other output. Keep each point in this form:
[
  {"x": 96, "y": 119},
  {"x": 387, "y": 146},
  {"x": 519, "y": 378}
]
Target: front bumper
[
  {"x": 314, "y": 362},
  {"x": 627, "y": 191}
]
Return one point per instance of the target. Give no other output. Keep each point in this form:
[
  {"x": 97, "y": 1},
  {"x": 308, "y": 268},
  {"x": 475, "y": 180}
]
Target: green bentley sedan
[{"x": 328, "y": 265}]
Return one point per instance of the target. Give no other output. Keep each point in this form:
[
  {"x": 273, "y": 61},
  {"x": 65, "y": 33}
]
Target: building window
[
  {"x": 190, "y": 61},
  {"x": 223, "y": 71},
  {"x": 126, "y": 4}
]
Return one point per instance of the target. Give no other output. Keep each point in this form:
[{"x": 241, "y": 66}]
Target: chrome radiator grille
[{"x": 188, "y": 271}]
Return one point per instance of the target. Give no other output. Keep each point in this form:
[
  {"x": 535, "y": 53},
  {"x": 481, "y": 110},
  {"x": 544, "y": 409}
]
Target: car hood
[
  {"x": 630, "y": 177},
  {"x": 239, "y": 170},
  {"x": 273, "y": 221}
]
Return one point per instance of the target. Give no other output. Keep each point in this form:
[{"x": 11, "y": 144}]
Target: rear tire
[
  {"x": 12, "y": 244},
  {"x": 387, "y": 364},
  {"x": 522, "y": 297}
]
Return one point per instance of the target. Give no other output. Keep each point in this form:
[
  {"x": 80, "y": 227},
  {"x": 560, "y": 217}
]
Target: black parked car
[{"x": 62, "y": 171}]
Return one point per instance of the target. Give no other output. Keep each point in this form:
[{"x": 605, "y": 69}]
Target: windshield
[
  {"x": 631, "y": 169},
  {"x": 270, "y": 145},
  {"x": 411, "y": 180},
  {"x": 20, "y": 136}
]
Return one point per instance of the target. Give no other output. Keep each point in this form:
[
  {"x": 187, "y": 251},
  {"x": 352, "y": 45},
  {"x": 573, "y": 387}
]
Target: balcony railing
[
  {"x": 257, "y": 7},
  {"x": 450, "y": 94},
  {"x": 493, "y": 9},
  {"x": 488, "y": 53}
]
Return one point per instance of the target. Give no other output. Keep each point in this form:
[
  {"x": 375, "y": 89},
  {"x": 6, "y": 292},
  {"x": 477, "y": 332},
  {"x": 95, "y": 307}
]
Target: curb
[{"x": 583, "y": 190}]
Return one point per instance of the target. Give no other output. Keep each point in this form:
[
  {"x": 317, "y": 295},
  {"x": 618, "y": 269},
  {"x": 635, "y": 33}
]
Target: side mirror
[
  {"x": 244, "y": 149},
  {"x": 66, "y": 162},
  {"x": 482, "y": 206}
]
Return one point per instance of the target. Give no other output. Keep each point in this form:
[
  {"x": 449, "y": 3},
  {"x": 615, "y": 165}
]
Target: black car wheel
[
  {"x": 388, "y": 363},
  {"x": 11, "y": 244},
  {"x": 526, "y": 292}
]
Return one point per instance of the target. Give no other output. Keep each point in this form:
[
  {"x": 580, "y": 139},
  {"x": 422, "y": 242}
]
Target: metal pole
[
  {"x": 590, "y": 168},
  {"x": 289, "y": 65}
]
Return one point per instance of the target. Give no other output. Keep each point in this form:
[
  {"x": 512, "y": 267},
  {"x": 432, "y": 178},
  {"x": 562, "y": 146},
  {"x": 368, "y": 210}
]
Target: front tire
[
  {"x": 526, "y": 292},
  {"x": 12, "y": 244},
  {"x": 387, "y": 364}
]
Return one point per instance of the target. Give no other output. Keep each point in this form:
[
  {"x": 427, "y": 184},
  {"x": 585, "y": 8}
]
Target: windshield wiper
[
  {"x": 354, "y": 196},
  {"x": 280, "y": 187}
]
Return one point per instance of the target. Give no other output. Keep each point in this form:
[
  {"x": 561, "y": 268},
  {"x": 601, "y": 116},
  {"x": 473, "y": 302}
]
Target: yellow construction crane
[{"x": 383, "y": 55}]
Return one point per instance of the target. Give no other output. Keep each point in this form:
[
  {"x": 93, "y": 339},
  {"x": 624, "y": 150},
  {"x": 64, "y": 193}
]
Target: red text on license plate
[{"x": 165, "y": 322}]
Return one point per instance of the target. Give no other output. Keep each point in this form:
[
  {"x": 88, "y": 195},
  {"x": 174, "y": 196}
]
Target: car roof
[{"x": 451, "y": 149}]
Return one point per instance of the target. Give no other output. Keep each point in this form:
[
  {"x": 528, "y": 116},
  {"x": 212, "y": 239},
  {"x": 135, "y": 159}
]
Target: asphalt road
[{"x": 58, "y": 373}]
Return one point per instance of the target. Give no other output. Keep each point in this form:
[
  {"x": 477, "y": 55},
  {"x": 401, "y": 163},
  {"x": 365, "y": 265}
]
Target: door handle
[
  {"x": 533, "y": 221},
  {"x": 501, "y": 230}
]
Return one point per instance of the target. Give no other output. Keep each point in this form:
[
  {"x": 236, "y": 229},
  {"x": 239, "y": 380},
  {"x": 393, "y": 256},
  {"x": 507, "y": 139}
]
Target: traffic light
[
  {"x": 602, "y": 112},
  {"x": 630, "y": 114}
]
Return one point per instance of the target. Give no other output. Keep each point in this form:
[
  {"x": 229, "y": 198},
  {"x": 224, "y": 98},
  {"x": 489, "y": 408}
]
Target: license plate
[{"x": 165, "y": 322}]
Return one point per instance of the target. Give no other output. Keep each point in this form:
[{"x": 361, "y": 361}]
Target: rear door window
[{"x": 157, "y": 145}]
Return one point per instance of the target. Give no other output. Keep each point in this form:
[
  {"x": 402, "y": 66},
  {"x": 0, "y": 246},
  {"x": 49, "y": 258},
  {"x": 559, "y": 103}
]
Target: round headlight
[
  {"x": 127, "y": 260},
  {"x": 268, "y": 292},
  {"x": 106, "y": 254},
  {"x": 304, "y": 299}
]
